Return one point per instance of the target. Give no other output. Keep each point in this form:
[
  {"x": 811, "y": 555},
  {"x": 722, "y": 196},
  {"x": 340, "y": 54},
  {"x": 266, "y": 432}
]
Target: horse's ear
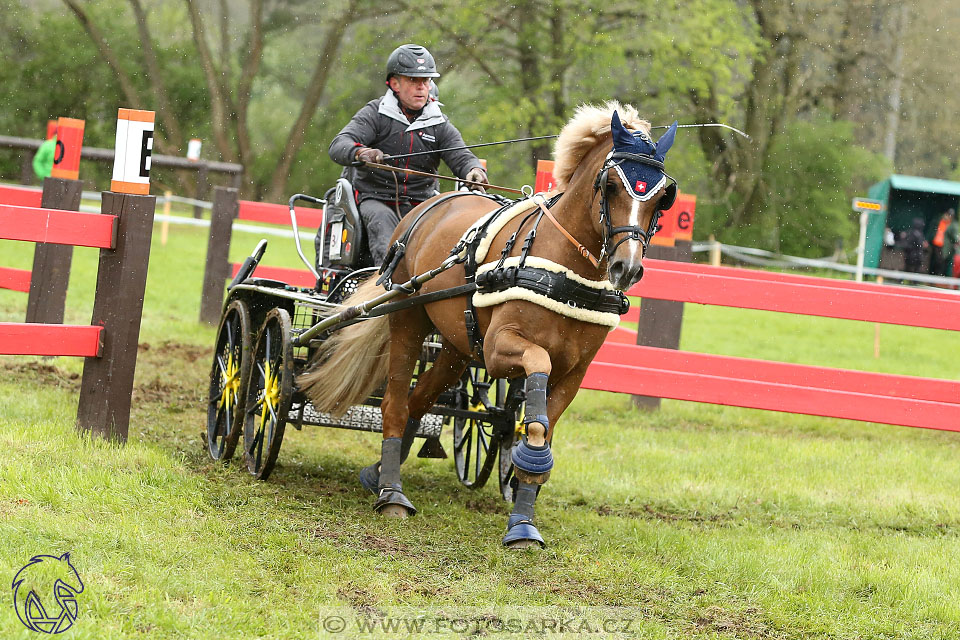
[
  {"x": 666, "y": 141},
  {"x": 66, "y": 556},
  {"x": 622, "y": 138}
]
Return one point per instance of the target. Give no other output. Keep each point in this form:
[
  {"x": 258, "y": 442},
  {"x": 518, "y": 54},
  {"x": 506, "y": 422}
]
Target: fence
[
  {"x": 218, "y": 269},
  {"x": 839, "y": 393},
  {"x": 122, "y": 232}
]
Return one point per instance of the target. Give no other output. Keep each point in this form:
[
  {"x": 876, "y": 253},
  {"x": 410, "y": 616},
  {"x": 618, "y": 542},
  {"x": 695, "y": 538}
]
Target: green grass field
[{"x": 695, "y": 521}]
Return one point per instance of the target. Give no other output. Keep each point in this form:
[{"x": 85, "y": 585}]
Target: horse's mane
[{"x": 589, "y": 125}]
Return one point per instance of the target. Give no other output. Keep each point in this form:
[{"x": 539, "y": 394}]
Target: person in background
[
  {"x": 913, "y": 243},
  {"x": 936, "y": 264},
  {"x": 405, "y": 120},
  {"x": 951, "y": 236}
]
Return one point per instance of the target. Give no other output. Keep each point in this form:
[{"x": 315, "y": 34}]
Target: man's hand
[
  {"x": 366, "y": 154},
  {"x": 476, "y": 175}
]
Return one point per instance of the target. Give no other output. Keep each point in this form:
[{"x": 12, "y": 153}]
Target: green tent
[{"x": 905, "y": 198}]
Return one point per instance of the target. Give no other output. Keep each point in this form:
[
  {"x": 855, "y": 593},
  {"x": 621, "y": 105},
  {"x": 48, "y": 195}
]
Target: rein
[
  {"x": 387, "y": 167},
  {"x": 582, "y": 250}
]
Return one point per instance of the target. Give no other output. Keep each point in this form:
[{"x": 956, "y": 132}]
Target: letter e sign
[{"x": 134, "y": 151}]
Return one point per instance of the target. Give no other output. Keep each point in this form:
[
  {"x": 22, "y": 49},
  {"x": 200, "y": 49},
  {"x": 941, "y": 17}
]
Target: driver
[{"x": 405, "y": 120}]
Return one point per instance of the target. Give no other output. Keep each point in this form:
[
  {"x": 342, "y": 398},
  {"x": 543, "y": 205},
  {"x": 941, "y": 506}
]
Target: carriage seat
[{"x": 343, "y": 229}]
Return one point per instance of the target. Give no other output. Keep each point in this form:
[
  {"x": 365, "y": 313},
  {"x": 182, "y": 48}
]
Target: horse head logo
[{"x": 53, "y": 579}]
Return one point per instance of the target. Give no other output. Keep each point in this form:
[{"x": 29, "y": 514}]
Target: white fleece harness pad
[
  {"x": 480, "y": 299},
  {"x": 521, "y": 207}
]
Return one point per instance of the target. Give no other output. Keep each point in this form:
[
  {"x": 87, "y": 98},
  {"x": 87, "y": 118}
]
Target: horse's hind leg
[
  {"x": 407, "y": 331},
  {"x": 447, "y": 368}
]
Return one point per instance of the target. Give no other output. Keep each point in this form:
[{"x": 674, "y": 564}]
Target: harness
[
  {"x": 613, "y": 161},
  {"x": 574, "y": 296}
]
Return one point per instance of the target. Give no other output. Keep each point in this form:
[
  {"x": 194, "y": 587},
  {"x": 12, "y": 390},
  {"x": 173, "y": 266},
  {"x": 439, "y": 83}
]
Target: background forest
[{"x": 834, "y": 95}]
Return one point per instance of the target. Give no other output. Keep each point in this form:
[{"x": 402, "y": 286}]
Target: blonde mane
[{"x": 589, "y": 125}]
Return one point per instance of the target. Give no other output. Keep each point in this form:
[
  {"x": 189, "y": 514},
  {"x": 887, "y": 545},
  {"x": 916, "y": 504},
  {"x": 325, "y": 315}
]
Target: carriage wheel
[
  {"x": 268, "y": 394},
  {"x": 476, "y": 441},
  {"x": 228, "y": 377},
  {"x": 505, "y": 467}
]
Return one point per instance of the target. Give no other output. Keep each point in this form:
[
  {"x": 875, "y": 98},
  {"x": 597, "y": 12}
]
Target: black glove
[{"x": 366, "y": 154}]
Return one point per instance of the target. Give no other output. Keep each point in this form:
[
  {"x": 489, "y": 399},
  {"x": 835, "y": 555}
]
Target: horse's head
[{"x": 634, "y": 189}]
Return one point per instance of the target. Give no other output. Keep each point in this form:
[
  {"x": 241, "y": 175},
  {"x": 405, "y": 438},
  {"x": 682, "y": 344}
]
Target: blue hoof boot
[
  {"x": 532, "y": 459},
  {"x": 522, "y": 534},
  {"x": 390, "y": 498},
  {"x": 370, "y": 478}
]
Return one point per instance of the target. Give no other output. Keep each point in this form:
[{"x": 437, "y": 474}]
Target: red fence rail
[{"x": 623, "y": 366}]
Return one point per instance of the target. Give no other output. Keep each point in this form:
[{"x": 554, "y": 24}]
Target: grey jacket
[{"x": 380, "y": 124}]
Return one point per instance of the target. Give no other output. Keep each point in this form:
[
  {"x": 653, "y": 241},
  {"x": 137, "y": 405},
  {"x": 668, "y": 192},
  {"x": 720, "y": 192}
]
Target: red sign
[
  {"x": 545, "y": 181},
  {"x": 676, "y": 223},
  {"x": 66, "y": 159},
  {"x": 51, "y": 129}
]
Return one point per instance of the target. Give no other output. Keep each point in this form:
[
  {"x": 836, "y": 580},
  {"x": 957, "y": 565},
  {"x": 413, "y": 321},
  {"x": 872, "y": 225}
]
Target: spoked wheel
[
  {"x": 476, "y": 441},
  {"x": 268, "y": 394},
  {"x": 505, "y": 465},
  {"x": 228, "y": 377}
]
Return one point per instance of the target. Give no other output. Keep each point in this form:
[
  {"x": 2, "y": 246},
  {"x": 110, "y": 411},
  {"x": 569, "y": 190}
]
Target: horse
[{"x": 612, "y": 187}]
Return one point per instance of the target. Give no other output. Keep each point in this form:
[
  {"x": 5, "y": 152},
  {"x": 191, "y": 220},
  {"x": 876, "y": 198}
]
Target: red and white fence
[{"x": 626, "y": 367}]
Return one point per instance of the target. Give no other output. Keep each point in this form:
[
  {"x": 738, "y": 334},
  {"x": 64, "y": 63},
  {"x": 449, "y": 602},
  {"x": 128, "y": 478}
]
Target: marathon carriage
[{"x": 253, "y": 396}]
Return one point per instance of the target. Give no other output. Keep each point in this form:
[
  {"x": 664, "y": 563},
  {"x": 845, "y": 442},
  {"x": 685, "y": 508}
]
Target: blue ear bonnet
[{"x": 638, "y": 159}]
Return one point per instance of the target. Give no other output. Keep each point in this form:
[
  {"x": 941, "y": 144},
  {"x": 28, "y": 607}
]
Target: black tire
[
  {"x": 268, "y": 395},
  {"x": 228, "y": 381},
  {"x": 476, "y": 441}
]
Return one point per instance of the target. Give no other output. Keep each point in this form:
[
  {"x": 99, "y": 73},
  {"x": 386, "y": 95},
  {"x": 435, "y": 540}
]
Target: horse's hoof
[
  {"x": 392, "y": 503},
  {"x": 523, "y": 535},
  {"x": 519, "y": 545},
  {"x": 395, "y": 511},
  {"x": 370, "y": 477}
]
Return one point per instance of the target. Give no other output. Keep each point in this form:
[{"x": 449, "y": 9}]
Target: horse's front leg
[{"x": 532, "y": 458}]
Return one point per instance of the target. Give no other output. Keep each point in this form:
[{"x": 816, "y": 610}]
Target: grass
[{"x": 701, "y": 521}]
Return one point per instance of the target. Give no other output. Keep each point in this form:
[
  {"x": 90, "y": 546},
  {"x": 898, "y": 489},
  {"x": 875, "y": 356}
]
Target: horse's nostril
[{"x": 616, "y": 271}]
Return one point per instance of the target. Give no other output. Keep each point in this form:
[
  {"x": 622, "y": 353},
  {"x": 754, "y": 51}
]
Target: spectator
[
  {"x": 913, "y": 243},
  {"x": 949, "y": 246},
  {"x": 936, "y": 263}
]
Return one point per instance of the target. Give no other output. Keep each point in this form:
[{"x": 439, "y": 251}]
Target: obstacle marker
[
  {"x": 66, "y": 159},
  {"x": 134, "y": 147}
]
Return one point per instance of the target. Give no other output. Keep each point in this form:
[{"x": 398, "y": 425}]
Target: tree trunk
[
  {"x": 318, "y": 83},
  {"x": 896, "y": 86}
]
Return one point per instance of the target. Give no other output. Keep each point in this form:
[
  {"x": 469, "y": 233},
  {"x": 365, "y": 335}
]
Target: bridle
[{"x": 634, "y": 232}]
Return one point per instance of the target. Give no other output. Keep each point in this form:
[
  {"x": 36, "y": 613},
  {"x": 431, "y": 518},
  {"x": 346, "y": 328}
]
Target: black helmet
[{"x": 413, "y": 61}]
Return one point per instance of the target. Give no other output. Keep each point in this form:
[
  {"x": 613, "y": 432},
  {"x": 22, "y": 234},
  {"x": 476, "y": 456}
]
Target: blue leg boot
[
  {"x": 390, "y": 498},
  {"x": 534, "y": 460},
  {"x": 370, "y": 476},
  {"x": 521, "y": 532}
]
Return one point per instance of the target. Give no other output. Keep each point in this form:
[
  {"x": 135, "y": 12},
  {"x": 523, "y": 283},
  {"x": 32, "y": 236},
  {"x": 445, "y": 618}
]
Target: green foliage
[{"x": 809, "y": 173}]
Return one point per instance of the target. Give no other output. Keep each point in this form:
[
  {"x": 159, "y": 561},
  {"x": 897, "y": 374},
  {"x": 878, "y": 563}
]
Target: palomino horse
[{"x": 613, "y": 186}]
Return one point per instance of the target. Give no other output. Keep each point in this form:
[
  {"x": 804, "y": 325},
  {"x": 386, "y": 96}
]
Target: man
[
  {"x": 404, "y": 120},
  {"x": 948, "y": 248}
]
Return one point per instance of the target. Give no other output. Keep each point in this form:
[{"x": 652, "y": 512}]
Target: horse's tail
[{"x": 352, "y": 362}]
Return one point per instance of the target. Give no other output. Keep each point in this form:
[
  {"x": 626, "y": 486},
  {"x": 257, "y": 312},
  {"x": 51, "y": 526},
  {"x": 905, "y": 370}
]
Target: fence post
[
  {"x": 226, "y": 205},
  {"x": 661, "y": 320},
  {"x": 203, "y": 187},
  {"x": 107, "y": 382},
  {"x": 51, "y": 262}
]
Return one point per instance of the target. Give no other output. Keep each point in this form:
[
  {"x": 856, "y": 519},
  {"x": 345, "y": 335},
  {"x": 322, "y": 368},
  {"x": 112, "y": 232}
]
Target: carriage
[{"x": 253, "y": 396}]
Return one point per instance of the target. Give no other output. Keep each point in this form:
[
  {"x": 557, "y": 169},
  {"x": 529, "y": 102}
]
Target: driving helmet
[{"x": 413, "y": 61}]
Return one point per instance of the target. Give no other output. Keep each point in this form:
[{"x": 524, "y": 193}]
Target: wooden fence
[{"x": 122, "y": 232}]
